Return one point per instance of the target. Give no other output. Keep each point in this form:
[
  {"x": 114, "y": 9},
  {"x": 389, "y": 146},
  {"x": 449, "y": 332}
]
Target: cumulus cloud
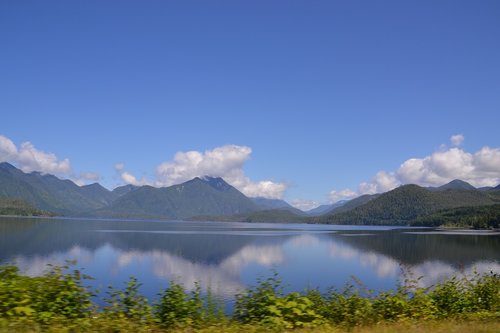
[
  {"x": 344, "y": 194},
  {"x": 119, "y": 166},
  {"x": 86, "y": 177},
  {"x": 28, "y": 158},
  {"x": 481, "y": 168},
  {"x": 457, "y": 140},
  {"x": 382, "y": 182},
  {"x": 8, "y": 150},
  {"x": 92, "y": 176},
  {"x": 129, "y": 178},
  {"x": 226, "y": 162}
]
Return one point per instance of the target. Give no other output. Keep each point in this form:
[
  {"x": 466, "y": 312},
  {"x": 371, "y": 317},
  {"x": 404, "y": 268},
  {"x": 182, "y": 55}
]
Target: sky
[{"x": 308, "y": 101}]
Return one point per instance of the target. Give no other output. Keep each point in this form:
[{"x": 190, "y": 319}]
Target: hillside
[
  {"x": 197, "y": 197},
  {"x": 273, "y": 204},
  {"x": 406, "y": 203},
  {"x": 211, "y": 198},
  {"x": 19, "y": 207},
  {"x": 456, "y": 184},
  {"x": 122, "y": 190},
  {"x": 479, "y": 217},
  {"x": 325, "y": 209},
  {"x": 99, "y": 193},
  {"x": 351, "y": 204},
  {"x": 47, "y": 192}
]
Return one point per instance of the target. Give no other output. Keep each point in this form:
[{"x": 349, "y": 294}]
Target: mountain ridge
[{"x": 212, "y": 198}]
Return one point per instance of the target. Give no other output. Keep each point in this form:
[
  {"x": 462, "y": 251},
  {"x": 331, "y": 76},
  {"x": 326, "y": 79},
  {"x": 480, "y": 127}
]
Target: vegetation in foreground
[{"x": 59, "y": 302}]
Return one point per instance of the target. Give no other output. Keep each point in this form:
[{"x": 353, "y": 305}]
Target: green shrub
[
  {"x": 58, "y": 299},
  {"x": 348, "y": 308},
  {"x": 266, "y": 305},
  {"x": 128, "y": 303},
  {"x": 54, "y": 295},
  {"x": 178, "y": 308}
]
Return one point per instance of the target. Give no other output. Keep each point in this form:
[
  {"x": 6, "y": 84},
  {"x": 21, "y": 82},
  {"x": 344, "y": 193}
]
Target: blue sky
[{"x": 312, "y": 96}]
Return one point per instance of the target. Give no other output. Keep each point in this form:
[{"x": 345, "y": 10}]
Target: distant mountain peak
[
  {"x": 124, "y": 189},
  {"x": 457, "y": 184},
  {"x": 7, "y": 165},
  {"x": 94, "y": 185},
  {"x": 216, "y": 182}
]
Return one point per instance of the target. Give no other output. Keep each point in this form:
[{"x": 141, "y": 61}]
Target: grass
[{"x": 107, "y": 326}]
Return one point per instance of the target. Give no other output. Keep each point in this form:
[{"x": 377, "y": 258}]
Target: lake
[{"x": 227, "y": 257}]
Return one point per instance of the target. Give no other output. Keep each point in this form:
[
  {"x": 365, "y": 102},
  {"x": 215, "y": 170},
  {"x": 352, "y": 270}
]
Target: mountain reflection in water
[{"x": 227, "y": 257}]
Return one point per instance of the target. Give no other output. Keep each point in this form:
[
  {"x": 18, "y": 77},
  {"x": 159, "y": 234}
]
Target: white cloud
[
  {"x": 344, "y": 194},
  {"x": 92, "y": 176},
  {"x": 29, "y": 159},
  {"x": 382, "y": 182},
  {"x": 304, "y": 205},
  {"x": 86, "y": 177},
  {"x": 481, "y": 168},
  {"x": 226, "y": 162},
  {"x": 457, "y": 140},
  {"x": 131, "y": 179},
  {"x": 119, "y": 166},
  {"x": 8, "y": 150}
]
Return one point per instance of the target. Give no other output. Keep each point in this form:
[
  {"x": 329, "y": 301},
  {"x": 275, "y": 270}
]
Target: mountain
[
  {"x": 486, "y": 188},
  {"x": 456, "y": 184},
  {"x": 122, "y": 190},
  {"x": 273, "y": 204},
  {"x": 198, "y": 197},
  {"x": 406, "y": 203},
  {"x": 99, "y": 193},
  {"x": 356, "y": 202},
  {"x": 47, "y": 192},
  {"x": 212, "y": 198},
  {"x": 324, "y": 209}
]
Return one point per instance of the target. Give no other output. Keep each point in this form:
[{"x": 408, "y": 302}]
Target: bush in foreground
[{"x": 59, "y": 301}]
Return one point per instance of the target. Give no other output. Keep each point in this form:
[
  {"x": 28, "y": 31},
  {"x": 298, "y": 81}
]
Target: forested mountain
[
  {"x": 406, "y": 203},
  {"x": 478, "y": 217},
  {"x": 47, "y": 192},
  {"x": 456, "y": 184},
  {"x": 208, "y": 196},
  {"x": 275, "y": 204},
  {"x": 324, "y": 209},
  {"x": 99, "y": 193},
  {"x": 122, "y": 190},
  {"x": 356, "y": 202}
]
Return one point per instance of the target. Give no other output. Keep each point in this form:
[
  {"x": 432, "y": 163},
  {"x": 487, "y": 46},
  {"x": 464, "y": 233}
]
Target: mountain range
[{"x": 211, "y": 198}]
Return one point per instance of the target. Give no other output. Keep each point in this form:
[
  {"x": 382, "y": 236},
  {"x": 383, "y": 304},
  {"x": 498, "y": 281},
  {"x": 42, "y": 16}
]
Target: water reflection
[{"x": 228, "y": 257}]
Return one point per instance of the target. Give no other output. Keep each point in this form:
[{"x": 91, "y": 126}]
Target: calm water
[{"x": 230, "y": 256}]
